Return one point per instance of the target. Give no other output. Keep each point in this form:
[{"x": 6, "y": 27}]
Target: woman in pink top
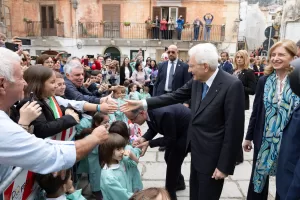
[
  {"x": 163, "y": 28},
  {"x": 139, "y": 76}
]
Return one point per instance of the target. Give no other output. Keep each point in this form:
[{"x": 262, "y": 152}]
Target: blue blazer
[
  {"x": 181, "y": 76},
  {"x": 227, "y": 67},
  {"x": 288, "y": 170}
]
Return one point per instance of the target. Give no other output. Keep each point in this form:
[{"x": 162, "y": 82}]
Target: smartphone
[
  {"x": 25, "y": 41},
  {"x": 90, "y": 56},
  {"x": 31, "y": 97},
  {"x": 33, "y": 57},
  {"x": 86, "y": 62},
  {"x": 12, "y": 46}
]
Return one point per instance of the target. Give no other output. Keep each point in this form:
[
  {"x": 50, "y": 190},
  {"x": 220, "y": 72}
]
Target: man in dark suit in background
[
  {"x": 172, "y": 74},
  {"x": 217, "y": 120},
  {"x": 172, "y": 122},
  {"x": 225, "y": 64}
]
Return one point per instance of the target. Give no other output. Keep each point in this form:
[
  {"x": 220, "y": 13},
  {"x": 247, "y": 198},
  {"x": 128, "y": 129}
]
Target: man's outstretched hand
[{"x": 131, "y": 105}]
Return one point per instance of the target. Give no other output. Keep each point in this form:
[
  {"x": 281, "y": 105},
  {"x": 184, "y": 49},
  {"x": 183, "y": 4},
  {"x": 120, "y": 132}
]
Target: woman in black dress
[{"x": 246, "y": 75}]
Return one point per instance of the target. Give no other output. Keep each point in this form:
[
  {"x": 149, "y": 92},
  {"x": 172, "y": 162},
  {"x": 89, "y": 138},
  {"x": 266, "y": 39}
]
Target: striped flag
[
  {"x": 23, "y": 187},
  {"x": 65, "y": 135}
]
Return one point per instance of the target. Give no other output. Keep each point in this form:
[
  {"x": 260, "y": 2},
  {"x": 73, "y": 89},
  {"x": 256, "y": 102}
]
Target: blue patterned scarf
[{"x": 276, "y": 118}]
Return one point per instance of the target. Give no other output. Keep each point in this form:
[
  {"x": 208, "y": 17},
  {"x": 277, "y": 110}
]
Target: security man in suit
[
  {"x": 216, "y": 128},
  {"x": 172, "y": 74},
  {"x": 172, "y": 122}
]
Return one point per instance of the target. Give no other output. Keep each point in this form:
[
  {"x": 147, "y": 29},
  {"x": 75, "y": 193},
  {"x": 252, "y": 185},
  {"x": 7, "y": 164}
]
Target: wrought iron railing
[
  {"x": 125, "y": 30},
  {"x": 39, "y": 28}
]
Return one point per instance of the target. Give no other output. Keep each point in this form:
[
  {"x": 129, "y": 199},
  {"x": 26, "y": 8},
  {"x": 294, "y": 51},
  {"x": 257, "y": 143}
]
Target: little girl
[
  {"x": 133, "y": 94},
  {"x": 90, "y": 164},
  {"x": 114, "y": 181},
  {"x": 58, "y": 188},
  {"x": 145, "y": 93},
  {"x": 118, "y": 95},
  {"x": 132, "y": 172}
]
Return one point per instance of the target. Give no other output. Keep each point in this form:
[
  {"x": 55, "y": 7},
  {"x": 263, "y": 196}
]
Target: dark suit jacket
[
  {"x": 46, "y": 125},
  {"x": 171, "y": 121},
  {"x": 122, "y": 74},
  {"x": 257, "y": 119},
  {"x": 217, "y": 124},
  {"x": 227, "y": 67},
  {"x": 180, "y": 77},
  {"x": 288, "y": 170},
  {"x": 249, "y": 81},
  {"x": 79, "y": 94}
]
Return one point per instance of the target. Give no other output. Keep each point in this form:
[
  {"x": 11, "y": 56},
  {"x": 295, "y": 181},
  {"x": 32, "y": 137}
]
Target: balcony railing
[
  {"x": 38, "y": 28},
  {"x": 143, "y": 31}
]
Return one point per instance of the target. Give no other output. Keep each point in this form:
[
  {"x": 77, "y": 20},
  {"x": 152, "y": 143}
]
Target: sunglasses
[{"x": 169, "y": 52}]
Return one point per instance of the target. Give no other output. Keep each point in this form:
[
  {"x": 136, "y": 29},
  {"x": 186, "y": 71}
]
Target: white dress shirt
[
  {"x": 211, "y": 79},
  {"x": 168, "y": 72},
  {"x": 21, "y": 149}
]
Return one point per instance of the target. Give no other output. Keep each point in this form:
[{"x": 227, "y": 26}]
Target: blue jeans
[
  {"x": 196, "y": 33},
  {"x": 179, "y": 31},
  {"x": 207, "y": 33}
]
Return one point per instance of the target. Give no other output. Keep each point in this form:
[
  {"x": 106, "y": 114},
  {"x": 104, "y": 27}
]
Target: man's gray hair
[
  {"x": 205, "y": 53},
  {"x": 136, "y": 111},
  {"x": 298, "y": 43},
  {"x": 72, "y": 65},
  {"x": 7, "y": 61}
]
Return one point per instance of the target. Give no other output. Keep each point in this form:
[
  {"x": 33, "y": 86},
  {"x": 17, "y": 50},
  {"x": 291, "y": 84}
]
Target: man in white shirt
[{"x": 21, "y": 149}]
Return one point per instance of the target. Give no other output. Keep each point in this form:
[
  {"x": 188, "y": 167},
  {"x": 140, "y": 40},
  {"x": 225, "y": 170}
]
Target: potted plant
[
  {"x": 126, "y": 23},
  {"x": 58, "y": 21},
  {"x": 27, "y": 20},
  {"x": 187, "y": 25},
  {"x": 102, "y": 22}
]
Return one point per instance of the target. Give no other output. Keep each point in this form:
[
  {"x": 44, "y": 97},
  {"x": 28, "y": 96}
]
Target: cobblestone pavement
[{"x": 153, "y": 169}]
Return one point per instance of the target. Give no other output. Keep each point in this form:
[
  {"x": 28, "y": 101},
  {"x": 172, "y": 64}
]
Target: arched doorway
[{"x": 114, "y": 52}]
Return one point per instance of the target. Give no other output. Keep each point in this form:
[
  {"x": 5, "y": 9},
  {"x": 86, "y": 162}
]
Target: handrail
[{"x": 4, "y": 185}]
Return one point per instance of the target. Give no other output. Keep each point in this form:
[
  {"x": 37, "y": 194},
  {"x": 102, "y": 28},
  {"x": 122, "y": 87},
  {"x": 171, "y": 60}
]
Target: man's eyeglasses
[
  {"x": 135, "y": 117},
  {"x": 169, "y": 52}
]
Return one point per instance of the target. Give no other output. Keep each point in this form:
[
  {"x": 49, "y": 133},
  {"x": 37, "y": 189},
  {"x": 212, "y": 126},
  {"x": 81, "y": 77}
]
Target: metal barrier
[{"x": 10, "y": 179}]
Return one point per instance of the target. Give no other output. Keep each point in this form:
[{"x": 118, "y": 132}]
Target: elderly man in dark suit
[
  {"x": 172, "y": 74},
  {"x": 172, "y": 122},
  {"x": 217, "y": 120}
]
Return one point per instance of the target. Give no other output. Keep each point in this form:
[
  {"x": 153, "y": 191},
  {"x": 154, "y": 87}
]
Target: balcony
[
  {"x": 38, "y": 29},
  {"x": 120, "y": 30}
]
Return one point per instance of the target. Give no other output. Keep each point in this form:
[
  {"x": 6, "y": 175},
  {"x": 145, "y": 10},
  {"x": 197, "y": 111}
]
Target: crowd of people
[
  {"x": 165, "y": 27},
  {"x": 69, "y": 116}
]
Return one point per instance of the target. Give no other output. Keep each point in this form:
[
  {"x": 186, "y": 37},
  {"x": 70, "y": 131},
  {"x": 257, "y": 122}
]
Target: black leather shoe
[
  {"x": 161, "y": 148},
  {"x": 180, "y": 187}
]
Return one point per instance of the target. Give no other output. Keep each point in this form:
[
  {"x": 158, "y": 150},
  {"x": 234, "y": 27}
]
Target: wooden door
[
  {"x": 156, "y": 12},
  {"x": 111, "y": 15},
  {"x": 48, "y": 25}
]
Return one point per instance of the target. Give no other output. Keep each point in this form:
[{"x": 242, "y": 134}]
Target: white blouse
[{"x": 127, "y": 73}]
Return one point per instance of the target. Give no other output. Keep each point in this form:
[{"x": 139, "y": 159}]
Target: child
[
  {"x": 132, "y": 172},
  {"x": 90, "y": 164},
  {"x": 126, "y": 84},
  {"x": 119, "y": 93},
  {"x": 114, "y": 180},
  {"x": 145, "y": 93},
  {"x": 57, "y": 188},
  {"x": 151, "y": 194},
  {"x": 133, "y": 94}
]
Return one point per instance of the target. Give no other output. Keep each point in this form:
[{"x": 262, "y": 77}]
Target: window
[
  {"x": 47, "y": 16},
  {"x": 168, "y": 12}
]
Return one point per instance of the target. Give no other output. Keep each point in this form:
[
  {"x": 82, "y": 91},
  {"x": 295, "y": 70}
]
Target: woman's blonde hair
[
  {"x": 151, "y": 194},
  {"x": 245, "y": 55},
  {"x": 289, "y": 46}
]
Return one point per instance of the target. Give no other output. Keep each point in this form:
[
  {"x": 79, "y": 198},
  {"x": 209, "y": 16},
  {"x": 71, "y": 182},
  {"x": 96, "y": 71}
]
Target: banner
[{"x": 22, "y": 188}]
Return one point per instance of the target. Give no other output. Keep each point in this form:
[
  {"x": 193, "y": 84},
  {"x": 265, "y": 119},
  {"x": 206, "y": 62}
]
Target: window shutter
[
  {"x": 156, "y": 12},
  {"x": 182, "y": 11}
]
